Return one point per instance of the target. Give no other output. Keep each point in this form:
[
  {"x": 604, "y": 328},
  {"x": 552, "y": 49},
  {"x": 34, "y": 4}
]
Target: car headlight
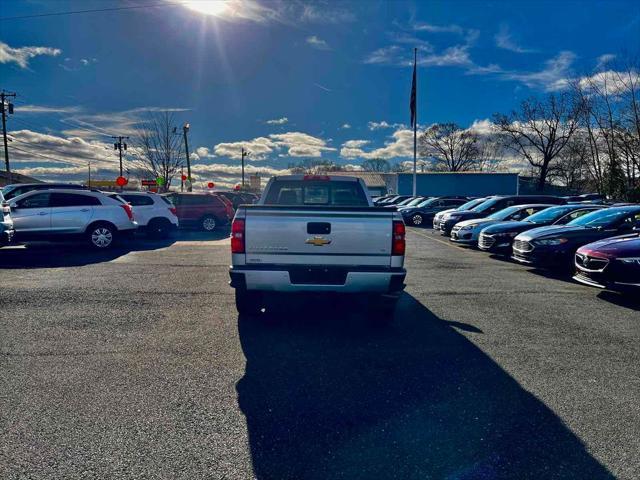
[
  {"x": 630, "y": 260},
  {"x": 551, "y": 241},
  {"x": 506, "y": 234},
  {"x": 467, "y": 227}
]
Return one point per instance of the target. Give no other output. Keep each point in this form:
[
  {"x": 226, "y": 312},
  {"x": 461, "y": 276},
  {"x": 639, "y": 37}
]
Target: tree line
[{"x": 585, "y": 137}]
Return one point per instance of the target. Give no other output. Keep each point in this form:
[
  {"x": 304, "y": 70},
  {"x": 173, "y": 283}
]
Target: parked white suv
[
  {"x": 57, "y": 213},
  {"x": 155, "y": 214}
]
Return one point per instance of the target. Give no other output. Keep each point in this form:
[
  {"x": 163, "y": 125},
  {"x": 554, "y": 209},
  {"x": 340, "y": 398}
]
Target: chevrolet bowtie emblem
[{"x": 317, "y": 241}]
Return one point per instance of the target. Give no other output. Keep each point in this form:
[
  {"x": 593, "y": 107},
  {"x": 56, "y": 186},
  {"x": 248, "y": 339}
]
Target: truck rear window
[{"x": 316, "y": 193}]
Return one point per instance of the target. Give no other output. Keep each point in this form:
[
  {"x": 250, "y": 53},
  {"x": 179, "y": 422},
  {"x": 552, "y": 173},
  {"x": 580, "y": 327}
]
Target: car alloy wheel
[
  {"x": 101, "y": 237},
  {"x": 209, "y": 224},
  {"x": 417, "y": 219}
]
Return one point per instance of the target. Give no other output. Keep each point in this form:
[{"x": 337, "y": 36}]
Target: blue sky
[{"x": 288, "y": 80}]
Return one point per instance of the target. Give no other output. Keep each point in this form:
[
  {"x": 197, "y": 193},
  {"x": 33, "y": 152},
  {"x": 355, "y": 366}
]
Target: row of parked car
[
  {"x": 599, "y": 243},
  {"x": 56, "y": 211}
]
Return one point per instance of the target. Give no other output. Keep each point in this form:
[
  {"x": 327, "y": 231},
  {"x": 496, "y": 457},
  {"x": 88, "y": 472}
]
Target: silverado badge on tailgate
[{"x": 317, "y": 241}]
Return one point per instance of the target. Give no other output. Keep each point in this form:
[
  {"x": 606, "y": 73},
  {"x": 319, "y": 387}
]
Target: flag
[{"x": 412, "y": 103}]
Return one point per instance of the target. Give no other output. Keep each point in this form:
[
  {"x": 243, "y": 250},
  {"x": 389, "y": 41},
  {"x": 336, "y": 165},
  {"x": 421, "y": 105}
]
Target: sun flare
[{"x": 208, "y": 7}]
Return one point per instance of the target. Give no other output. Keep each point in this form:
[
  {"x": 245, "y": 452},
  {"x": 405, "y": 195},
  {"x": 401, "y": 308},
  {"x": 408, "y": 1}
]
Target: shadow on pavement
[
  {"x": 74, "y": 253},
  {"x": 622, "y": 299},
  {"x": 329, "y": 396}
]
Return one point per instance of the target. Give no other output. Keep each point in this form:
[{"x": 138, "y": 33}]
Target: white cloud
[
  {"x": 300, "y": 144},
  {"x": 428, "y": 27},
  {"x": 345, "y": 126},
  {"x": 259, "y": 147},
  {"x": 202, "y": 152},
  {"x": 277, "y": 121},
  {"x": 21, "y": 56},
  {"x": 505, "y": 41},
  {"x": 323, "y": 14},
  {"x": 355, "y": 143},
  {"x": 399, "y": 146},
  {"x": 72, "y": 65},
  {"x": 388, "y": 56},
  {"x": 37, "y": 109},
  {"x": 552, "y": 77},
  {"x": 381, "y": 125},
  {"x": 604, "y": 60},
  {"x": 610, "y": 81},
  {"x": 317, "y": 43}
]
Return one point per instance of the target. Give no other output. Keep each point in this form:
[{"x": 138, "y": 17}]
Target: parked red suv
[{"x": 202, "y": 210}]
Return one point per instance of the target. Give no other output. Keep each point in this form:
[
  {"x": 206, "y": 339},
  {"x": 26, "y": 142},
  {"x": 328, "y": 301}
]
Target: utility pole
[
  {"x": 89, "y": 182},
  {"x": 8, "y": 107},
  {"x": 181, "y": 178},
  {"x": 185, "y": 129},
  {"x": 244, "y": 154}
]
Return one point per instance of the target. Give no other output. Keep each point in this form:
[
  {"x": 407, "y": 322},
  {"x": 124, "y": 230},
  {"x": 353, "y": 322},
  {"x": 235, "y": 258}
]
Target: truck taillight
[
  {"x": 127, "y": 208},
  {"x": 398, "y": 242},
  {"x": 237, "y": 236}
]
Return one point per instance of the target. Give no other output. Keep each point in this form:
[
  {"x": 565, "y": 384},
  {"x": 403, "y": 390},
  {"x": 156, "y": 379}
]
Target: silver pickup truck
[{"x": 313, "y": 234}]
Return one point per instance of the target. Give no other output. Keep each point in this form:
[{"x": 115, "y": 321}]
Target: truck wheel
[
  {"x": 248, "y": 303},
  {"x": 208, "y": 223},
  {"x": 417, "y": 219}
]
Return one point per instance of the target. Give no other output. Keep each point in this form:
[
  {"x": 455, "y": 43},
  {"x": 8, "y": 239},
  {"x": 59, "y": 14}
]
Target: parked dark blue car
[
  {"x": 498, "y": 238},
  {"x": 555, "y": 246}
]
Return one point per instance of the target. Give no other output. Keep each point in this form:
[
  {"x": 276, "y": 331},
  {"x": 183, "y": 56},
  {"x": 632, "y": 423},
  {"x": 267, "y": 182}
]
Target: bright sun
[{"x": 208, "y": 7}]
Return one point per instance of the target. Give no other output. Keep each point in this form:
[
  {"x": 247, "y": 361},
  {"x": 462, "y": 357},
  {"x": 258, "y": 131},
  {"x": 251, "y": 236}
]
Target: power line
[{"x": 95, "y": 10}]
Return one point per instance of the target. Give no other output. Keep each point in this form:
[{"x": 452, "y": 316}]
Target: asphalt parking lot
[{"x": 134, "y": 364}]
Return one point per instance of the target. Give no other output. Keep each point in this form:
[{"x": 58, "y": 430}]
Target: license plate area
[{"x": 318, "y": 276}]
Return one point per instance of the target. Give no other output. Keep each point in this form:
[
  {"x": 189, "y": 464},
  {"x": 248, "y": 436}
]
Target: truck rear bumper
[{"x": 318, "y": 279}]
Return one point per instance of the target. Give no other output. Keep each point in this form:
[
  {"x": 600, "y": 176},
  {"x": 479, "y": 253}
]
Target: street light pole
[
  {"x": 185, "y": 129},
  {"x": 244, "y": 154}
]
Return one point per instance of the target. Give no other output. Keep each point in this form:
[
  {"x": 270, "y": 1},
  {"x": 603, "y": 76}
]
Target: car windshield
[
  {"x": 505, "y": 213},
  {"x": 415, "y": 201},
  {"x": 167, "y": 200},
  {"x": 406, "y": 201},
  {"x": 470, "y": 204},
  {"x": 429, "y": 201},
  {"x": 486, "y": 205},
  {"x": 549, "y": 214},
  {"x": 603, "y": 218}
]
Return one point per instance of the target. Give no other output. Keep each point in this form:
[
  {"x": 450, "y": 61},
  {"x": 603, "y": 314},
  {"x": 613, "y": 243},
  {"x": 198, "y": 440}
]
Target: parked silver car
[{"x": 55, "y": 214}]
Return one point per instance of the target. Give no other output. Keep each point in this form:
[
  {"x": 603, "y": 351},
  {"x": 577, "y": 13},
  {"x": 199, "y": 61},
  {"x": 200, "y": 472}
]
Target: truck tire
[{"x": 248, "y": 303}]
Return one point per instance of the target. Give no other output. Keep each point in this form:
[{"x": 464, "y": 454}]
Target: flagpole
[{"x": 415, "y": 122}]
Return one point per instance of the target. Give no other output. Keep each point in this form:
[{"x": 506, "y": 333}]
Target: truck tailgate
[{"x": 359, "y": 236}]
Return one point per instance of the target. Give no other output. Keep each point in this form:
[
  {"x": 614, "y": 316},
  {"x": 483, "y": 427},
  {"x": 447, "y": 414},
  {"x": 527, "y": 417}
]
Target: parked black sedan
[
  {"x": 423, "y": 213},
  {"x": 555, "y": 245},
  {"x": 613, "y": 263},
  {"x": 498, "y": 238}
]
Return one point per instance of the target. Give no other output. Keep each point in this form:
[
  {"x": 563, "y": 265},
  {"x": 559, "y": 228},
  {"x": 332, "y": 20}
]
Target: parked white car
[
  {"x": 58, "y": 213},
  {"x": 155, "y": 214}
]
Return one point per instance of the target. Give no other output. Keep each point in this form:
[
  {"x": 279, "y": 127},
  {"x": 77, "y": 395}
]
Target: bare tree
[
  {"x": 454, "y": 149},
  {"x": 158, "y": 149},
  {"x": 313, "y": 167},
  {"x": 376, "y": 165},
  {"x": 539, "y": 131}
]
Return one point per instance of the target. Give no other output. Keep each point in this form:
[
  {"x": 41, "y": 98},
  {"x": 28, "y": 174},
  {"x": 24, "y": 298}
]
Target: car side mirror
[{"x": 13, "y": 206}]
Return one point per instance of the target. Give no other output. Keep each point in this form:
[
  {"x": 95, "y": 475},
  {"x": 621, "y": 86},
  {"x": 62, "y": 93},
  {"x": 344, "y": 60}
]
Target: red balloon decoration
[
  {"x": 211, "y": 184},
  {"x": 121, "y": 181}
]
